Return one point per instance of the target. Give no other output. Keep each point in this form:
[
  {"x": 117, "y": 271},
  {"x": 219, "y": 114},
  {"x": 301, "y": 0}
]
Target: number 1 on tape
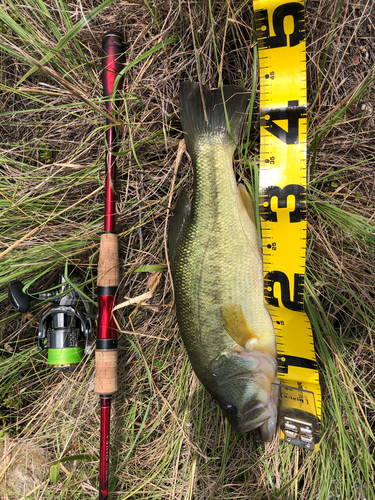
[{"x": 282, "y": 183}]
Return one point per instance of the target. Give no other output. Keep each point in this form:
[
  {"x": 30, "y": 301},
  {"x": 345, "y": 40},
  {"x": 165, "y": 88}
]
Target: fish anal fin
[{"x": 237, "y": 327}]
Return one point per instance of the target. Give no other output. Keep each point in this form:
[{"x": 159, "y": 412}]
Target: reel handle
[{"x": 20, "y": 300}]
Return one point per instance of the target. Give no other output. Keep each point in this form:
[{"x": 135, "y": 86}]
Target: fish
[{"x": 217, "y": 266}]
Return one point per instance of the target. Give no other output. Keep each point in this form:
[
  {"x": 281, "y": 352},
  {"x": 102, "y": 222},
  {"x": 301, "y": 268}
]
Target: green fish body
[{"x": 217, "y": 269}]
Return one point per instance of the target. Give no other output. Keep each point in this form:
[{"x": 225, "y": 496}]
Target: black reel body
[{"x": 65, "y": 329}]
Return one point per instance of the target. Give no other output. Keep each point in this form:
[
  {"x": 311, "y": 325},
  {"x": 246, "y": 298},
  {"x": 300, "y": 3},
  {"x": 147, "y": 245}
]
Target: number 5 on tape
[{"x": 282, "y": 183}]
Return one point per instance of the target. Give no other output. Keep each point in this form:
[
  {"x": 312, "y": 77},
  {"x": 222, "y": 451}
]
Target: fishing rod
[{"x": 108, "y": 267}]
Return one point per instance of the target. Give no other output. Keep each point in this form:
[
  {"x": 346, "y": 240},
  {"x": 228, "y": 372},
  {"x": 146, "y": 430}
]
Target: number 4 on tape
[{"x": 280, "y": 31}]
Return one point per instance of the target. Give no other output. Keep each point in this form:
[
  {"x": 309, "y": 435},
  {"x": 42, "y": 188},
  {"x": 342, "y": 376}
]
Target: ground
[{"x": 169, "y": 439}]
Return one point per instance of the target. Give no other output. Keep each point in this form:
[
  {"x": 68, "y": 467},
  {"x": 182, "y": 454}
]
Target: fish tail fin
[{"x": 219, "y": 113}]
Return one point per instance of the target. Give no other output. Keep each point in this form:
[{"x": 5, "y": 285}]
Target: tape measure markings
[{"x": 282, "y": 184}]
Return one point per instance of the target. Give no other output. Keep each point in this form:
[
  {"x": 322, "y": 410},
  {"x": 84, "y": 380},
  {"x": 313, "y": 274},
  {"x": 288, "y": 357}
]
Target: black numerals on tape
[
  {"x": 282, "y": 27},
  {"x": 296, "y": 215},
  {"x": 292, "y": 113},
  {"x": 284, "y": 361},
  {"x": 299, "y": 193},
  {"x": 280, "y": 38},
  {"x": 279, "y": 277}
]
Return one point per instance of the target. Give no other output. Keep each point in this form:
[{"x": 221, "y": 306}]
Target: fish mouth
[
  {"x": 242, "y": 376},
  {"x": 255, "y": 416},
  {"x": 260, "y": 414},
  {"x": 255, "y": 406}
]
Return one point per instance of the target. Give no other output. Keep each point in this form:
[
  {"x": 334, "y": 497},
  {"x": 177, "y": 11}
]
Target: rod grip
[
  {"x": 106, "y": 372},
  {"x": 108, "y": 267}
]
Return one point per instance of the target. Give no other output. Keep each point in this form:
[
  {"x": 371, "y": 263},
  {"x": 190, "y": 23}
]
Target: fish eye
[{"x": 231, "y": 409}]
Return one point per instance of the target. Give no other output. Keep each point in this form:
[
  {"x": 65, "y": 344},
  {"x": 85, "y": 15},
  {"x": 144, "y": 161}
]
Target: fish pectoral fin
[
  {"x": 237, "y": 327},
  {"x": 179, "y": 219}
]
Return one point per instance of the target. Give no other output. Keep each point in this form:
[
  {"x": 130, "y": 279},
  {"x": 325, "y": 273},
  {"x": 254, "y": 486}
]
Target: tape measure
[{"x": 282, "y": 198}]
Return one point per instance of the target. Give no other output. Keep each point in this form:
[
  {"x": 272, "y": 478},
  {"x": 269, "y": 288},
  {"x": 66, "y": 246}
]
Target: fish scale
[
  {"x": 217, "y": 269},
  {"x": 213, "y": 246}
]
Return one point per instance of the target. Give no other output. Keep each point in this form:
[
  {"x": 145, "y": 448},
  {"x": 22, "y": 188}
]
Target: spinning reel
[{"x": 66, "y": 329}]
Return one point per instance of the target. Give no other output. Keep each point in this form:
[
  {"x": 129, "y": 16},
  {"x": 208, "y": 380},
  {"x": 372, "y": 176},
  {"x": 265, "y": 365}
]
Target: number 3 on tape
[{"x": 280, "y": 28}]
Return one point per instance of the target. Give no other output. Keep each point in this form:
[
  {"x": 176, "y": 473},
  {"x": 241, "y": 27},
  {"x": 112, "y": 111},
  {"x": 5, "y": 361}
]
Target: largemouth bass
[{"x": 217, "y": 270}]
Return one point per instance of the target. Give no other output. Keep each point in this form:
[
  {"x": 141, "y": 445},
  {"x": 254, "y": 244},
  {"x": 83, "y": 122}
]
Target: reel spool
[{"x": 65, "y": 329}]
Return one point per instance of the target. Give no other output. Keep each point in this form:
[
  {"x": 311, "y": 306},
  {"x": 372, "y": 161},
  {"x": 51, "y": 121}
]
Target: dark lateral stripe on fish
[{"x": 284, "y": 361}]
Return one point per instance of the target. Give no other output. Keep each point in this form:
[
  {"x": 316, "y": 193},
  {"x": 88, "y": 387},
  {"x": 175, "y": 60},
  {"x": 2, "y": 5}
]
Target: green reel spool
[
  {"x": 66, "y": 358},
  {"x": 65, "y": 329}
]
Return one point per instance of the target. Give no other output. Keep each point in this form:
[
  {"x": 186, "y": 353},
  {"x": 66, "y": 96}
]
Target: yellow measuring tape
[{"x": 282, "y": 184}]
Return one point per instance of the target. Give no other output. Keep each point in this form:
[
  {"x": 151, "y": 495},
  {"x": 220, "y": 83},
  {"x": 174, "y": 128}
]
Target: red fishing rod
[{"x": 108, "y": 267}]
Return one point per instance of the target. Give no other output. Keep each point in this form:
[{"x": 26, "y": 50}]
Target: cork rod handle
[
  {"x": 108, "y": 267},
  {"x": 108, "y": 281},
  {"x": 106, "y": 372}
]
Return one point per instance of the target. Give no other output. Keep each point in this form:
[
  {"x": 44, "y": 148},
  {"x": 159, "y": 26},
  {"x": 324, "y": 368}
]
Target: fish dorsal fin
[
  {"x": 179, "y": 219},
  {"x": 237, "y": 327},
  {"x": 248, "y": 203},
  {"x": 247, "y": 206}
]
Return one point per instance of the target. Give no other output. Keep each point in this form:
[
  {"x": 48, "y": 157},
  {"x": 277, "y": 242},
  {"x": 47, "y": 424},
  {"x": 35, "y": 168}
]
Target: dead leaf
[
  {"x": 26, "y": 316},
  {"x": 153, "y": 280},
  {"x": 356, "y": 58},
  {"x": 152, "y": 283}
]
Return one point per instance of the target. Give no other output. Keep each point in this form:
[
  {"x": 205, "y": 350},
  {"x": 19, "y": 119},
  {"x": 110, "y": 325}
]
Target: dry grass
[{"x": 169, "y": 440}]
